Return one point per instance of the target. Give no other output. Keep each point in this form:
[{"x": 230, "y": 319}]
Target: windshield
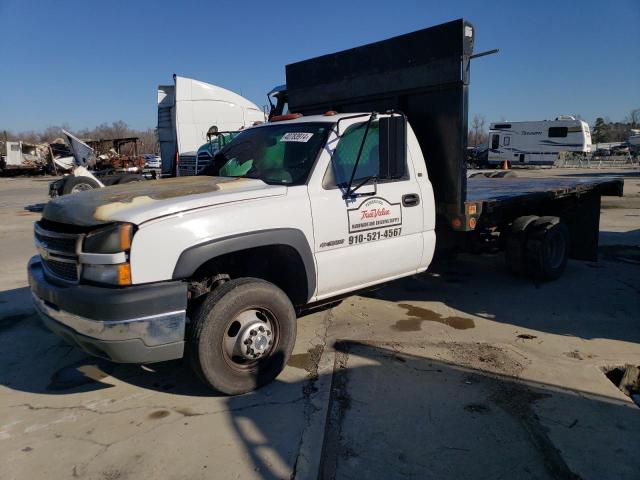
[{"x": 277, "y": 154}]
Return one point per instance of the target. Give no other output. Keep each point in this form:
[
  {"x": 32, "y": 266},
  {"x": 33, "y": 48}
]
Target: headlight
[
  {"x": 119, "y": 274},
  {"x": 104, "y": 258},
  {"x": 112, "y": 239}
]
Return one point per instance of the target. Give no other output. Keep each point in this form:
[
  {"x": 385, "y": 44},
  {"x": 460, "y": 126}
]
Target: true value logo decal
[{"x": 374, "y": 213}]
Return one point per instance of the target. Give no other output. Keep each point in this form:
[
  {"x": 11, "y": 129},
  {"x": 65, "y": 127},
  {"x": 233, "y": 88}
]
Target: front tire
[
  {"x": 242, "y": 335},
  {"x": 78, "y": 184}
]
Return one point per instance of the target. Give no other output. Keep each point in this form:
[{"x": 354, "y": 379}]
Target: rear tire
[
  {"x": 215, "y": 326},
  {"x": 547, "y": 248},
  {"x": 78, "y": 184},
  {"x": 514, "y": 247}
]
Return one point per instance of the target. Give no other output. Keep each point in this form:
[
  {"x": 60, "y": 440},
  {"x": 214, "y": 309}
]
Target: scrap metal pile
[
  {"x": 58, "y": 156},
  {"x": 22, "y": 157}
]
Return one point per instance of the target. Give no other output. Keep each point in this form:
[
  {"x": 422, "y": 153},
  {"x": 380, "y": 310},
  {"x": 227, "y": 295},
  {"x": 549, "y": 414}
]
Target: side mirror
[
  {"x": 393, "y": 146},
  {"x": 212, "y": 132}
]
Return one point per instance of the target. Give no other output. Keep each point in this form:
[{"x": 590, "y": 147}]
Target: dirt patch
[
  {"x": 578, "y": 355},
  {"x": 485, "y": 357},
  {"x": 417, "y": 315}
]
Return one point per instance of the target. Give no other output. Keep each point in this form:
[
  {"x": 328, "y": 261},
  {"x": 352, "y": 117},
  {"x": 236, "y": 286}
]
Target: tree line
[
  {"x": 148, "y": 139},
  {"x": 604, "y": 130}
]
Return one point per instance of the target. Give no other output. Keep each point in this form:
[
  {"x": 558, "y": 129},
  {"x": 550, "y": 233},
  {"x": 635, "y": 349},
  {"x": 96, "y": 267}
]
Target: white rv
[
  {"x": 537, "y": 143},
  {"x": 186, "y": 111}
]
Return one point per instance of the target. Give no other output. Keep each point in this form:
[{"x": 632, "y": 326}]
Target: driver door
[{"x": 369, "y": 239}]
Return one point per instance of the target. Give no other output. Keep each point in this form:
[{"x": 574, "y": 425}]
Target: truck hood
[{"x": 139, "y": 202}]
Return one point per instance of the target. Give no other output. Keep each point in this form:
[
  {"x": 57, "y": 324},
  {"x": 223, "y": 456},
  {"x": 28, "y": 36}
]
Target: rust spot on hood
[{"x": 94, "y": 207}]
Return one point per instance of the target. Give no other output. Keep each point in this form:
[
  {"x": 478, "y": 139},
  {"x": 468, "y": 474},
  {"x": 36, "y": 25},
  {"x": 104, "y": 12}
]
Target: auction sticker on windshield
[
  {"x": 374, "y": 213},
  {"x": 296, "y": 137}
]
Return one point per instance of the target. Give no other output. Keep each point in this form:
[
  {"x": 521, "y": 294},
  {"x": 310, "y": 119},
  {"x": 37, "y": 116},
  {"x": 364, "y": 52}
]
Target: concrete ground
[{"x": 461, "y": 372}]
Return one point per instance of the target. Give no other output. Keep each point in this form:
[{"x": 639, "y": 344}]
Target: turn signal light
[{"x": 124, "y": 274}]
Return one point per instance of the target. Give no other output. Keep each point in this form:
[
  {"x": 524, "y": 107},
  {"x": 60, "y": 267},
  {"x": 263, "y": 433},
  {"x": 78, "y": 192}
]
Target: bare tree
[
  {"x": 477, "y": 133},
  {"x": 634, "y": 118}
]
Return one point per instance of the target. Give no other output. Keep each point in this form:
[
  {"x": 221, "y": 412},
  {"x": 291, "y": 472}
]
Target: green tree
[{"x": 599, "y": 130}]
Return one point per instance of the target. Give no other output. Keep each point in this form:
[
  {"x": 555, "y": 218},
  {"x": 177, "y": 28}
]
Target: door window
[
  {"x": 495, "y": 141},
  {"x": 346, "y": 153}
]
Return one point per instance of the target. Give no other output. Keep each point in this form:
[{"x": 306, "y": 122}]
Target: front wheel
[
  {"x": 242, "y": 335},
  {"x": 78, "y": 184}
]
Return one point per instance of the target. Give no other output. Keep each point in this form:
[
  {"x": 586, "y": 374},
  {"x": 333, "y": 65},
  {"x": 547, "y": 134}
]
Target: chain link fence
[{"x": 581, "y": 160}]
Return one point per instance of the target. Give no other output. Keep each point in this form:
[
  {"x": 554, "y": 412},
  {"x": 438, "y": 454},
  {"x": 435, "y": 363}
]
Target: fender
[{"x": 193, "y": 257}]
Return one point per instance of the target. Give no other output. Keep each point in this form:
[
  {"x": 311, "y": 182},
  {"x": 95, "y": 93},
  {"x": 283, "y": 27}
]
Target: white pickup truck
[{"x": 292, "y": 214}]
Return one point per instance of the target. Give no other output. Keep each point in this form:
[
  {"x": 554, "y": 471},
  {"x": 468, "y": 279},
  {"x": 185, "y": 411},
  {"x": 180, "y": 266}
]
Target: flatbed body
[{"x": 496, "y": 193}]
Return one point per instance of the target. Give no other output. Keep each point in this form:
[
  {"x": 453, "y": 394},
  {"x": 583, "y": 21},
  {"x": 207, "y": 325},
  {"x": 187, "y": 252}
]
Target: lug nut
[
  {"x": 268, "y": 332},
  {"x": 270, "y": 342},
  {"x": 247, "y": 341},
  {"x": 261, "y": 328},
  {"x": 253, "y": 333}
]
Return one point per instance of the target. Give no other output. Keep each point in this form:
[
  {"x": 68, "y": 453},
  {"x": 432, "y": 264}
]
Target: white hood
[{"x": 138, "y": 202}]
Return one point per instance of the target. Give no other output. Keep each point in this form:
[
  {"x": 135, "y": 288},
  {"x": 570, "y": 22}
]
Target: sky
[{"x": 82, "y": 63}]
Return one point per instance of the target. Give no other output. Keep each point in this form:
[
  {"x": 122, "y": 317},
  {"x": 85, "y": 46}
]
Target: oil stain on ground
[
  {"x": 307, "y": 361},
  {"x": 417, "y": 315},
  {"x": 158, "y": 414}
]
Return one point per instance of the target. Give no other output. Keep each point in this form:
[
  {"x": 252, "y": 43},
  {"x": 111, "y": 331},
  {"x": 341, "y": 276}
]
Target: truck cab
[{"x": 299, "y": 211}]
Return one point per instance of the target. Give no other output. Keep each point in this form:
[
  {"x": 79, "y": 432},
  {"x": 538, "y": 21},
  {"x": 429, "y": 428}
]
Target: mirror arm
[{"x": 353, "y": 194}]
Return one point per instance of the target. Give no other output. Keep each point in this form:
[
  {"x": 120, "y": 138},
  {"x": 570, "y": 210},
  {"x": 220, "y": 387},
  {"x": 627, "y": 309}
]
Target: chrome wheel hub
[{"x": 249, "y": 336}]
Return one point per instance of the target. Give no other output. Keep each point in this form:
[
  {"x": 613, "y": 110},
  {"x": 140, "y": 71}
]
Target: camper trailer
[
  {"x": 186, "y": 111},
  {"x": 537, "y": 143}
]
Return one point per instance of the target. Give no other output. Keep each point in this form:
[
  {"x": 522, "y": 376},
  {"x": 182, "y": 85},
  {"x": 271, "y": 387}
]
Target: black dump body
[{"x": 425, "y": 74}]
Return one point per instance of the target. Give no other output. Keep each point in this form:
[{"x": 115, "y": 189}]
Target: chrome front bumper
[
  {"x": 152, "y": 330},
  {"x": 128, "y": 325},
  {"x": 138, "y": 340}
]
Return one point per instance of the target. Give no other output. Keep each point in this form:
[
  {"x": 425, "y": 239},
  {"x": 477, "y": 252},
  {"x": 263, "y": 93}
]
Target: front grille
[
  {"x": 58, "y": 244},
  {"x": 58, "y": 251},
  {"x": 64, "y": 270},
  {"x": 188, "y": 165}
]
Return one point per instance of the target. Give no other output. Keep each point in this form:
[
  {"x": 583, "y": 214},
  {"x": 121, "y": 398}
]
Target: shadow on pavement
[
  {"x": 394, "y": 411},
  {"x": 591, "y": 300}
]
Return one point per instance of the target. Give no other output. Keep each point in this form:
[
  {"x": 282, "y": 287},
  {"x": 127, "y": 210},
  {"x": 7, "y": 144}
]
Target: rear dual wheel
[
  {"x": 538, "y": 247},
  {"x": 242, "y": 335}
]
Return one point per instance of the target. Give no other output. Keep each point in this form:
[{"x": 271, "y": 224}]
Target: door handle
[{"x": 410, "y": 200}]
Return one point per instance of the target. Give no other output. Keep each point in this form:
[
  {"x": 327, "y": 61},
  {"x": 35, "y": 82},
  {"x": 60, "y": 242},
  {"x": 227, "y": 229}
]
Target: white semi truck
[
  {"x": 186, "y": 111},
  {"x": 298, "y": 213}
]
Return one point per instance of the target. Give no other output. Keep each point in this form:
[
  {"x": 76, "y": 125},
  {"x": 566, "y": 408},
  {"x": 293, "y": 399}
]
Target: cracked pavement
[{"x": 461, "y": 372}]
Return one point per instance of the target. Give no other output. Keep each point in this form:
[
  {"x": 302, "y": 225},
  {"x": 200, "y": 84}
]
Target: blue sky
[{"x": 88, "y": 62}]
